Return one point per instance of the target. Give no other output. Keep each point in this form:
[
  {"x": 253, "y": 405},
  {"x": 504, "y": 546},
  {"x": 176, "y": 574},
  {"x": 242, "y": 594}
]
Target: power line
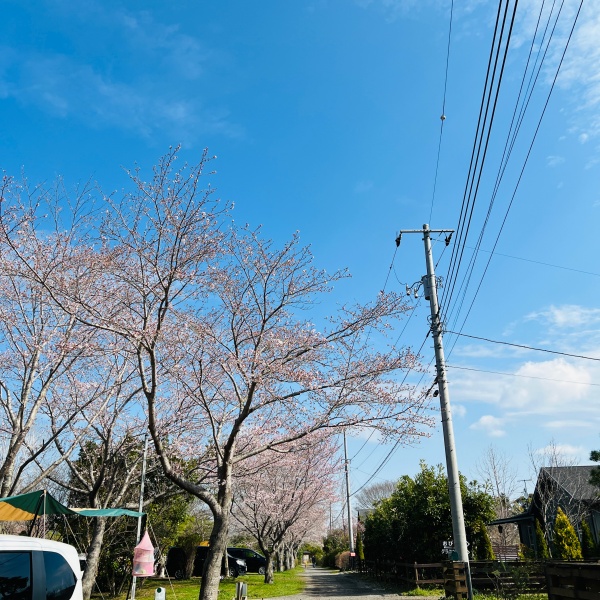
[
  {"x": 383, "y": 463},
  {"x": 506, "y": 155},
  {"x": 524, "y": 163},
  {"x": 480, "y": 142},
  {"x": 443, "y": 115},
  {"x": 403, "y": 380},
  {"x": 545, "y": 106},
  {"x": 522, "y": 376},
  {"x": 536, "y": 262},
  {"x": 523, "y": 346}
]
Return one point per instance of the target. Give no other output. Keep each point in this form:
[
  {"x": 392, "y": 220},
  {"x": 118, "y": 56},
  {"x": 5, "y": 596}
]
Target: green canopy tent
[{"x": 27, "y": 507}]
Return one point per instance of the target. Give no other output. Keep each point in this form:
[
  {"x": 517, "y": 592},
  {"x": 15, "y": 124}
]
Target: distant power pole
[
  {"x": 456, "y": 506},
  {"x": 350, "y": 532}
]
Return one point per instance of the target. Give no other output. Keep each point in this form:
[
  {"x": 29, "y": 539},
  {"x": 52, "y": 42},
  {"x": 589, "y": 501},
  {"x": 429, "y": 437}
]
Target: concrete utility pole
[
  {"x": 141, "y": 507},
  {"x": 350, "y": 532},
  {"x": 456, "y": 507}
]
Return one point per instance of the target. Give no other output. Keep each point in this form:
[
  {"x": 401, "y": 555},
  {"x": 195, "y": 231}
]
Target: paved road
[{"x": 323, "y": 584}]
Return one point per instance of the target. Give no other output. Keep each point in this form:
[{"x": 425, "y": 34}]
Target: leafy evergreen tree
[
  {"x": 528, "y": 552},
  {"x": 335, "y": 543},
  {"x": 542, "y": 547},
  {"x": 566, "y": 543},
  {"x": 595, "y": 473},
  {"x": 481, "y": 544},
  {"x": 360, "y": 549},
  {"x": 588, "y": 547},
  {"x": 415, "y": 520}
]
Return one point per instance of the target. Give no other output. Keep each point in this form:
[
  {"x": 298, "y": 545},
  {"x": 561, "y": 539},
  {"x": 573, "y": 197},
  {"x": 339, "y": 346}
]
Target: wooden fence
[
  {"x": 572, "y": 580},
  {"x": 485, "y": 575},
  {"x": 562, "y": 580}
]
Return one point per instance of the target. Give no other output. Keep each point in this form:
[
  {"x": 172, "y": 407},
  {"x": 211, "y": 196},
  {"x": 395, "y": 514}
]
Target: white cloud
[
  {"x": 176, "y": 50},
  {"x": 572, "y": 424},
  {"x": 565, "y": 450},
  {"x": 63, "y": 87},
  {"x": 166, "y": 95},
  {"x": 548, "y": 388},
  {"x": 567, "y": 316},
  {"x": 492, "y": 426},
  {"x": 554, "y": 161},
  {"x": 560, "y": 390}
]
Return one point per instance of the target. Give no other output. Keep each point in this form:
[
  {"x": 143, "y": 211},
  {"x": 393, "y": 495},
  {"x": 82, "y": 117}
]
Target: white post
[{"x": 141, "y": 506}]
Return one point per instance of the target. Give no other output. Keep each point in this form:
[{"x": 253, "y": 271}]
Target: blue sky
[{"x": 325, "y": 117}]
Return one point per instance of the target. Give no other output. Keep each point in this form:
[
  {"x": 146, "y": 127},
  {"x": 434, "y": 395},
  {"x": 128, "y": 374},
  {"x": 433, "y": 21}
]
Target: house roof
[
  {"x": 574, "y": 480},
  {"x": 520, "y": 518}
]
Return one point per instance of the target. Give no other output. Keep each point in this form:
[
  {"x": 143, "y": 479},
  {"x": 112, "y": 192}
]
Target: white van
[{"x": 37, "y": 569}]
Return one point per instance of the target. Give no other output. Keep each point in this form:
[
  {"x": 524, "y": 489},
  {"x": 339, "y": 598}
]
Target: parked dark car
[
  {"x": 176, "y": 563},
  {"x": 255, "y": 562}
]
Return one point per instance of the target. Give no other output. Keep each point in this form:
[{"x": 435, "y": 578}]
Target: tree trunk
[
  {"x": 161, "y": 567},
  {"x": 211, "y": 572},
  {"x": 269, "y": 567},
  {"x": 93, "y": 557},
  {"x": 190, "y": 559},
  {"x": 289, "y": 558}
]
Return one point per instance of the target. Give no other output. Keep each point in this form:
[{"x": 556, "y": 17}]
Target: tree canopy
[
  {"x": 216, "y": 322},
  {"x": 415, "y": 520}
]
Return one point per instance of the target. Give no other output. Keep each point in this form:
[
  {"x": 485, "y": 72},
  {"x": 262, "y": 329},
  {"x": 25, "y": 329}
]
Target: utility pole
[
  {"x": 350, "y": 533},
  {"x": 141, "y": 507},
  {"x": 461, "y": 553}
]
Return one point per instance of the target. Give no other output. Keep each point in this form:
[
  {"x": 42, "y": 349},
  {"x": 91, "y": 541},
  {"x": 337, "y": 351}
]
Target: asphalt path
[{"x": 333, "y": 585}]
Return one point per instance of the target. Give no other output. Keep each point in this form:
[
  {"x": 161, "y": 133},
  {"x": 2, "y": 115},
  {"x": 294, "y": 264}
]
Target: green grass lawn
[{"x": 287, "y": 583}]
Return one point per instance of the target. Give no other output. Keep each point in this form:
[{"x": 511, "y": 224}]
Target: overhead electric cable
[
  {"x": 508, "y": 147},
  {"x": 399, "y": 336},
  {"x": 474, "y": 154},
  {"x": 403, "y": 329},
  {"x": 522, "y": 376},
  {"x": 373, "y": 431},
  {"x": 473, "y": 188},
  {"x": 443, "y": 115},
  {"x": 475, "y": 337},
  {"x": 522, "y": 168},
  {"x": 383, "y": 463},
  {"x": 539, "y": 262}
]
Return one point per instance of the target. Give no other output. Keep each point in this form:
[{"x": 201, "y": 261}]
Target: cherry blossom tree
[
  {"x": 258, "y": 374},
  {"x": 105, "y": 470},
  {"x": 283, "y": 494},
  {"x": 231, "y": 361},
  {"x": 41, "y": 350}
]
